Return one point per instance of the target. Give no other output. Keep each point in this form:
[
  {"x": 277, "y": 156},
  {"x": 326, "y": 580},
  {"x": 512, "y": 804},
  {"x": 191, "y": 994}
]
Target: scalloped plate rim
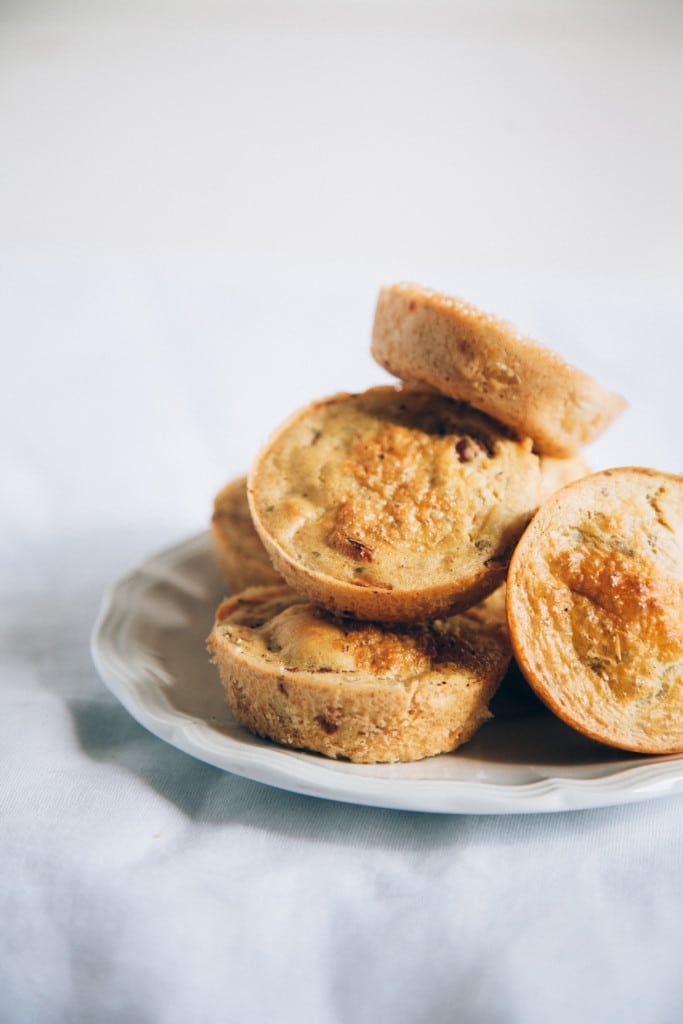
[{"x": 311, "y": 775}]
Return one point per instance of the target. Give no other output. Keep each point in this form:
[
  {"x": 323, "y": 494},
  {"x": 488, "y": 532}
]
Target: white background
[
  {"x": 521, "y": 135},
  {"x": 198, "y": 203}
]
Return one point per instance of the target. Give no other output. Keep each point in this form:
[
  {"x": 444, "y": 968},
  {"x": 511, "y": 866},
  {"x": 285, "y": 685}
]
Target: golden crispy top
[
  {"x": 274, "y": 625},
  {"x": 394, "y": 487},
  {"x": 596, "y": 605}
]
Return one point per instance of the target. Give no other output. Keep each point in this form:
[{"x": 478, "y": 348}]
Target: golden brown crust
[
  {"x": 356, "y": 690},
  {"x": 425, "y": 337},
  {"x": 240, "y": 556},
  {"x": 393, "y": 505},
  {"x": 595, "y": 607}
]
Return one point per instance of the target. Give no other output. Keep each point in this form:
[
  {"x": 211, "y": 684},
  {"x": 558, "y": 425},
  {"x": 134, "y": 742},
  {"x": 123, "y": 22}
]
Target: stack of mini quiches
[{"x": 368, "y": 550}]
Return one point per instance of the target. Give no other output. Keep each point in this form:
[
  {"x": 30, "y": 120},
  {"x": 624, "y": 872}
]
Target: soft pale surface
[{"x": 595, "y": 596}]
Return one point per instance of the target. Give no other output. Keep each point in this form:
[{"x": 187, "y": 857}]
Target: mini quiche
[
  {"x": 595, "y": 608},
  {"x": 355, "y": 690},
  {"x": 424, "y": 337},
  {"x": 394, "y": 505}
]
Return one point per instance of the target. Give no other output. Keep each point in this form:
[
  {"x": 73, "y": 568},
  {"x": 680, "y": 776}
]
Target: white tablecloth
[
  {"x": 198, "y": 203},
  {"x": 140, "y": 885}
]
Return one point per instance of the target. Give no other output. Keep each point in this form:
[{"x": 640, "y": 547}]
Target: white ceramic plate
[{"x": 149, "y": 647}]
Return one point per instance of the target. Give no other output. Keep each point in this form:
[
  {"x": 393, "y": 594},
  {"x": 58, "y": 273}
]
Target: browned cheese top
[
  {"x": 395, "y": 488},
  {"x": 596, "y": 606},
  {"x": 273, "y": 626}
]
